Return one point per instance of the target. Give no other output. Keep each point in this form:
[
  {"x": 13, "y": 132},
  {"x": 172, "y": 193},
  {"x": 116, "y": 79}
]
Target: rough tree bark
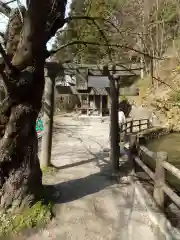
[{"x": 22, "y": 70}]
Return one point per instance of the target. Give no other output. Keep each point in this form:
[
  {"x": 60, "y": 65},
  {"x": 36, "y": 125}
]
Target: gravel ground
[{"x": 89, "y": 204}]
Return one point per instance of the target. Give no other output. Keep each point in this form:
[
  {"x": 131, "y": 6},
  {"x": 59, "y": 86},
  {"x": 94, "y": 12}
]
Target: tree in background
[
  {"x": 157, "y": 25},
  {"x": 147, "y": 26},
  {"x": 106, "y": 27}
]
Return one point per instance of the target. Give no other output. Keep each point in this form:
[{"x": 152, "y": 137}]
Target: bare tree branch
[
  {"x": 5, "y": 9},
  {"x": 5, "y": 61},
  {"x": 166, "y": 84},
  {"x": 56, "y": 17},
  {"x": 10, "y": 2},
  {"x": 103, "y": 36},
  {"x": 33, "y": 25},
  {"x": 2, "y": 35},
  {"x": 5, "y": 57},
  {"x": 94, "y": 20},
  {"x": 71, "y": 18},
  {"x": 20, "y": 12},
  {"x": 13, "y": 32},
  {"x": 78, "y": 42},
  {"x": 73, "y": 58}
]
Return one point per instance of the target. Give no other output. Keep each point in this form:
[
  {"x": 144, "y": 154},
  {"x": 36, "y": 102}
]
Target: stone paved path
[{"x": 90, "y": 205}]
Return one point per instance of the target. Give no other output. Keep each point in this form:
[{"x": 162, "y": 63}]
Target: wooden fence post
[
  {"x": 131, "y": 126},
  {"x": 142, "y": 67},
  {"x": 101, "y": 105},
  {"x": 139, "y": 125},
  {"x": 126, "y": 128},
  {"x": 159, "y": 178},
  {"x": 88, "y": 104},
  {"x": 133, "y": 148}
]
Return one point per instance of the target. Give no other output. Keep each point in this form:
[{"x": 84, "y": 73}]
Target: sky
[{"x": 4, "y": 20}]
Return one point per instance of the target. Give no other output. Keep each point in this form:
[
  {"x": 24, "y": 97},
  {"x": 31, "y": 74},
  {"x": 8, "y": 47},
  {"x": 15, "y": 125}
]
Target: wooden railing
[
  {"x": 139, "y": 154},
  {"x": 135, "y": 126},
  {"x": 162, "y": 167}
]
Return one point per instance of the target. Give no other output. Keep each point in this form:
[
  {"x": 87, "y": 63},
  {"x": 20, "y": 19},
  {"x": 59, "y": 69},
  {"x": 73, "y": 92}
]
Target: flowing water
[{"x": 171, "y": 144}]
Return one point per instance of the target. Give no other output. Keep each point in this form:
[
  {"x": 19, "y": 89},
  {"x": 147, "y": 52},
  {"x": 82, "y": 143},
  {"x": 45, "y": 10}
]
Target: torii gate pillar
[{"x": 46, "y": 146}]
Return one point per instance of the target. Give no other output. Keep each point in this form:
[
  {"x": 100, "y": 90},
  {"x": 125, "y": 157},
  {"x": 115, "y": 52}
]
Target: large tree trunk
[
  {"x": 20, "y": 173},
  {"x": 22, "y": 70}
]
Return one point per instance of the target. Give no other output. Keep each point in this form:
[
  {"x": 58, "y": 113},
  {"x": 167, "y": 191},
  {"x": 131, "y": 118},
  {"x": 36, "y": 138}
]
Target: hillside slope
[{"x": 163, "y": 97}]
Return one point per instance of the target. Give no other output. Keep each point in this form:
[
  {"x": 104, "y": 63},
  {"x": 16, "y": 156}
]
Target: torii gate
[{"x": 116, "y": 76}]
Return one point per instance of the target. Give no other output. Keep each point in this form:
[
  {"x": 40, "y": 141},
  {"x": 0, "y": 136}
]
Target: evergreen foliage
[{"x": 148, "y": 26}]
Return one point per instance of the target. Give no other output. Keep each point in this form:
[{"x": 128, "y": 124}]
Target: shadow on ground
[
  {"x": 62, "y": 128},
  {"x": 75, "y": 189}
]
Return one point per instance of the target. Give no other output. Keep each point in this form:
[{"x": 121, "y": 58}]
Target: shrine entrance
[{"x": 98, "y": 88}]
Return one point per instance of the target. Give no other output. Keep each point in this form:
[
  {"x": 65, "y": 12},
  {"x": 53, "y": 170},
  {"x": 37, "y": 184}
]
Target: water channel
[{"x": 171, "y": 144}]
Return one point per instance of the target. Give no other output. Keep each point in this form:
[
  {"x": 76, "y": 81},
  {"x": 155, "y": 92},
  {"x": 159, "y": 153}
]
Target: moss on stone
[
  {"x": 49, "y": 170},
  {"x": 36, "y": 216}
]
